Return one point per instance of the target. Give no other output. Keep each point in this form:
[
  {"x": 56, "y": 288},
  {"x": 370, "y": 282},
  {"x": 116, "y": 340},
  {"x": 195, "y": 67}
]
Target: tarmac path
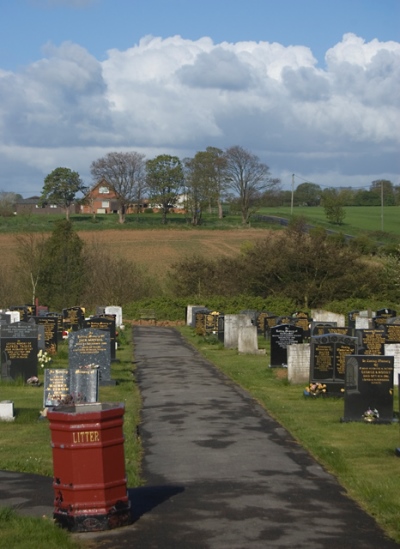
[{"x": 220, "y": 472}]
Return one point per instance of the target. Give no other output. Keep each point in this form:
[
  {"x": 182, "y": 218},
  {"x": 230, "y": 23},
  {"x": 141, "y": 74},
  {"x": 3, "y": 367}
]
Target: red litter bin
[{"x": 89, "y": 467}]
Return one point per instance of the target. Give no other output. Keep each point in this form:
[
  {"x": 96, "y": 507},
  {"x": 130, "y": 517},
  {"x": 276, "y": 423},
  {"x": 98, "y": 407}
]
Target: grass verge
[{"x": 361, "y": 456}]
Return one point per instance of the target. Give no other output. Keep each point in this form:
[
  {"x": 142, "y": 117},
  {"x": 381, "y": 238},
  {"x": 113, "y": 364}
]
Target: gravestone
[
  {"x": 78, "y": 386},
  {"x": 100, "y": 310},
  {"x": 382, "y": 316},
  {"x": 302, "y": 320},
  {"x": 371, "y": 342},
  {"x": 320, "y": 315},
  {"x": 73, "y": 318},
  {"x": 200, "y": 321},
  {"x": 19, "y": 349},
  {"x": 117, "y": 311},
  {"x": 298, "y": 357},
  {"x": 231, "y": 329},
  {"x": 56, "y": 386},
  {"x": 91, "y": 347},
  {"x": 392, "y": 328},
  {"x": 15, "y": 316},
  {"x": 22, "y": 310},
  {"x": 363, "y": 323},
  {"x": 319, "y": 327},
  {"x": 191, "y": 311},
  {"x": 84, "y": 385},
  {"x": 5, "y": 318},
  {"x": 252, "y": 314},
  {"x": 50, "y": 324},
  {"x": 107, "y": 324},
  {"x": 351, "y": 318},
  {"x": 369, "y": 389},
  {"x": 247, "y": 340},
  {"x": 281, "y": 336},
  {"x": 328, "y": 354}
]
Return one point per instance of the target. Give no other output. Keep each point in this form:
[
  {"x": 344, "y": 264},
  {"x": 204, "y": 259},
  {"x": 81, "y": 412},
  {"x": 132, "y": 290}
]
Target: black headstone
[
  {"x": 91, "y": 347},
  {"x": 50, "y": 324},
  {"x": 19, "y": 349},
  {"x": 73, "y": 318},
  {"x": 281, "y": 337},
  {"x": 371, "y": 342},
  {"x": 392, "y": 331},
  {"x": 56, "y": 386},
  {"x": 369, "y": 389},
  {"x": 327, "y": 355},
  {"x": 107, "y": 324}
]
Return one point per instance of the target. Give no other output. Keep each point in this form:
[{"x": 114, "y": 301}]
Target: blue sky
[{"x": 310, "y": 86}]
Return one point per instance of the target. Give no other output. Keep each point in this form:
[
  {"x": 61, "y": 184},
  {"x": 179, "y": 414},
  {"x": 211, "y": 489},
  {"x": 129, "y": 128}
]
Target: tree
[
  {"x": 204, "y": 182},
  {"x": 62, "y": 274},
  {"x": 125, "y": 173},
  {"x": 308, "y": 194},
  {"x": 333, "y": 206},
  {"x": 30, "y": 252},
  {"x": 164, "y": 180},
  {"x": 7, "y": 201},
  {"x": 383, "y": 187},
  {"x": 247, "y": 177},
  {"x": 61, "y": 187}
]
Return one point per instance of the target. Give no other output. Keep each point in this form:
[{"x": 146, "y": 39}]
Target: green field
[{"x": 358, "y": 220}]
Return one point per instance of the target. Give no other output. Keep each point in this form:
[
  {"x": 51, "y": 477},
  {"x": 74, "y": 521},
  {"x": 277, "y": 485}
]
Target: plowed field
[{"x": 156, "y": 249}]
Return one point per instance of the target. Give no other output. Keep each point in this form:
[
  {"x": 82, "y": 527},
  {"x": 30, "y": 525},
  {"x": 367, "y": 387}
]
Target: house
[
  {"x": 102, "y": 199},
  {"x": 32, "y": 205}
]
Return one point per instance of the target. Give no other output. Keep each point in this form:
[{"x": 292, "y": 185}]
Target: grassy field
[
  {"x": 358, "y": 220},
  {"x": 362, "y": 456}
]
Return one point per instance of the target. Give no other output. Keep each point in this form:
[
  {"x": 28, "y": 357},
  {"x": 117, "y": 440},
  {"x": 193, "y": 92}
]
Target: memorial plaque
[
  {"x": 73, "y": 318},
  {"x": 319, "y": 328},
  {"x": 56, "y": 386},
  {"x": 50, "y": 324},
  {"x": 328, "y": 354},
  {"x": 281, "y": 336},
  {"x": 392, "y": 332},
  {"x": 106, "y": 323},
  {"x": 19, "y": 349},
  {"x": 84, "y": 385},
  {"x": 369, "y": 389},
  {"x": 211, "y": 323},
  {"x": 91, "y": 347},
  {"x": 371, "y": 342}
]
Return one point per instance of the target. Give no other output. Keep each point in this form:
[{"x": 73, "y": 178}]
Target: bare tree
[
  {"x": 247, "y": 178},
  {"x": 125, "y": 172}
]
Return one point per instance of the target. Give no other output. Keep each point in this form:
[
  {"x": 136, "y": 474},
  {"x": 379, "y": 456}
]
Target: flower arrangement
[
  {"x": 315, "y": 389},
  {"x": 370, "y": 416},
  {"x": 43, "y": 358}
]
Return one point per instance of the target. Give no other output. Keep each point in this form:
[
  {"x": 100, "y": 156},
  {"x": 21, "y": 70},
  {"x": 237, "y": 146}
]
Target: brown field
[{"x": 156, "y": 249}]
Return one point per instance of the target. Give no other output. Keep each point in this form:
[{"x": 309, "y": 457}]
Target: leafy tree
[
  {"x": 385, "y": 187},
  {"x": 165, "y": 178},
  {"x": 333, "y": 206},
  {"x": 247, "y": 178},
  {"x": 7, "y": 201},
  {"x": 204, "y": 182},
  {"x": 125, "y": 172},
  {"x": 62, "y": 273},
  {"x": 61, "y": 187},
  {"x": 308, "y": 194}
]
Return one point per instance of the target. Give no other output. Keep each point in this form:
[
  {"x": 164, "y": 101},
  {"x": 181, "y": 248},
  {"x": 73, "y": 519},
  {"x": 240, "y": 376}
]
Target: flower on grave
[
  {"x": 89, "y": 366},
  {"x": 43, "y": 358},
  {"x": 371, "y": 415},
  {"x": 315, "y": 389}
]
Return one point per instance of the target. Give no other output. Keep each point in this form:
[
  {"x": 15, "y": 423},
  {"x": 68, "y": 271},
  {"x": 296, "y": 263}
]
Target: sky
[{"x": 312, "y": 87}]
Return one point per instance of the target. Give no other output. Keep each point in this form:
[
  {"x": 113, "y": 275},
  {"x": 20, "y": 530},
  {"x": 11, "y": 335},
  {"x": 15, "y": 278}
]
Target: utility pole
[
  {"x": 291, "y": 201},
  {"x": 382, "y": 205}
]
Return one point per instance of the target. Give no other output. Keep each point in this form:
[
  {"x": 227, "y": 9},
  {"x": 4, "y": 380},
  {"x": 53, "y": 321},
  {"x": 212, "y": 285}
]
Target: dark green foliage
[
  {"x": 61, "y": 187},
  {"x": 308, "y": 269},
  {"x": 62, "y": 276}
]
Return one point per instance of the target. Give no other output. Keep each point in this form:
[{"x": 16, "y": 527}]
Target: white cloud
[{"x": 172, "y": 94}]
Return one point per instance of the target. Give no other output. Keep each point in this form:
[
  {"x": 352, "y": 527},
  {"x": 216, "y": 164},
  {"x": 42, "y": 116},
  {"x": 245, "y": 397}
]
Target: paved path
[{"x": 220, "y": 472}]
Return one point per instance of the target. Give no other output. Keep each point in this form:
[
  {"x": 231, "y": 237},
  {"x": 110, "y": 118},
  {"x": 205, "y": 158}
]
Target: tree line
[{"x": 208, "y": 179}]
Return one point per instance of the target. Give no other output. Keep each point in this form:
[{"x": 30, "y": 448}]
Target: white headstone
[
  {"x": 248, "y": 340},
  {"x": 319, "y": 315},
  {"x": 298, "y": 365},
  {"x": 117, "y": 311},
  {"x": 363, "y": 323},
  {"x": 393, "y": 349},
  {"x": 189, "y": 314},
  {"x": 15, "y": 316},
  {"x": 7, "y": 410}
]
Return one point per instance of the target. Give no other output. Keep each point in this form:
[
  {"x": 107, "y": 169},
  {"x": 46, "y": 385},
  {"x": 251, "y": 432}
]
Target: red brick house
[{"x": 101, "y": 199}]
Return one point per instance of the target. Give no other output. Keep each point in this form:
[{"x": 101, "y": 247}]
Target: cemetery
[{"x": 344, "y": 370}]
